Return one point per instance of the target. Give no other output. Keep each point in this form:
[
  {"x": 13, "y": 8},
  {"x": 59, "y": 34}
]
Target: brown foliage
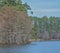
[{"x": 14, "y": 25}]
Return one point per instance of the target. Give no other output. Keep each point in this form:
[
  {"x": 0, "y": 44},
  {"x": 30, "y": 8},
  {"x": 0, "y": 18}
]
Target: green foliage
[
  {"x": 20, "y": 7},
  {"x": 27, "y": 6},
  {"x": 9, "y": 2},
  {"x": 34, "y": 33},
  {"x": 16, "y": 4},
  {"x": 51, "y": 24},
  {"x": 35, "y": 27}
]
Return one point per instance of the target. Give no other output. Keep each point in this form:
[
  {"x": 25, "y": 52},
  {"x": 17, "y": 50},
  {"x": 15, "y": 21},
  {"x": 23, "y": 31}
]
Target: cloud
[{"x": 46, "y": 10}]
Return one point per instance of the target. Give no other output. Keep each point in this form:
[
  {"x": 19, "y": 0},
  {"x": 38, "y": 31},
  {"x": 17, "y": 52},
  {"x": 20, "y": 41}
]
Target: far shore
[{"x": 41, "y": 40}]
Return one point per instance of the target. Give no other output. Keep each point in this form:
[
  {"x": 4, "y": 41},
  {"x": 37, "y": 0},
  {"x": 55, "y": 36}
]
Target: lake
[{"x": 34, "y": 47}]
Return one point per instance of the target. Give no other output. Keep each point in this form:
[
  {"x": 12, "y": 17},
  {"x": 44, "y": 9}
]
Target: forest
[{"x": 46, "y": 28}]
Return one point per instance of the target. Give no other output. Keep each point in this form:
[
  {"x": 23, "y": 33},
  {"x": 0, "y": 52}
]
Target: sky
[{"x": 44, "y": 7}]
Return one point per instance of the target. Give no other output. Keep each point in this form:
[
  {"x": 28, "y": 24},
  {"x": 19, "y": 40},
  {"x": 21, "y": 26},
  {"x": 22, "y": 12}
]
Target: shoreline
[
  {"x": 41, "y": 40},
  {"x": 32, "y": 40}
]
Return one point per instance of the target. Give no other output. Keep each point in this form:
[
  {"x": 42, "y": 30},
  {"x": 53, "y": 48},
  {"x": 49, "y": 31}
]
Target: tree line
[{"x": 46, "y": 27}]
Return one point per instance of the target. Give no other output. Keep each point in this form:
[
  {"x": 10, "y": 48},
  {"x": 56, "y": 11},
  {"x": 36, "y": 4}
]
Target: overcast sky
[{"x": 44, "y": 7}]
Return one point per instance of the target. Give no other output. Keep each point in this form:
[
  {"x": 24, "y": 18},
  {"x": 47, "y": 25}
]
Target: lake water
[{"x": 34, "y": 47}]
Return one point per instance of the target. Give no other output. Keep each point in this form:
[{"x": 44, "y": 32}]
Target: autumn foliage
[{"x": 15, "y": 26}]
